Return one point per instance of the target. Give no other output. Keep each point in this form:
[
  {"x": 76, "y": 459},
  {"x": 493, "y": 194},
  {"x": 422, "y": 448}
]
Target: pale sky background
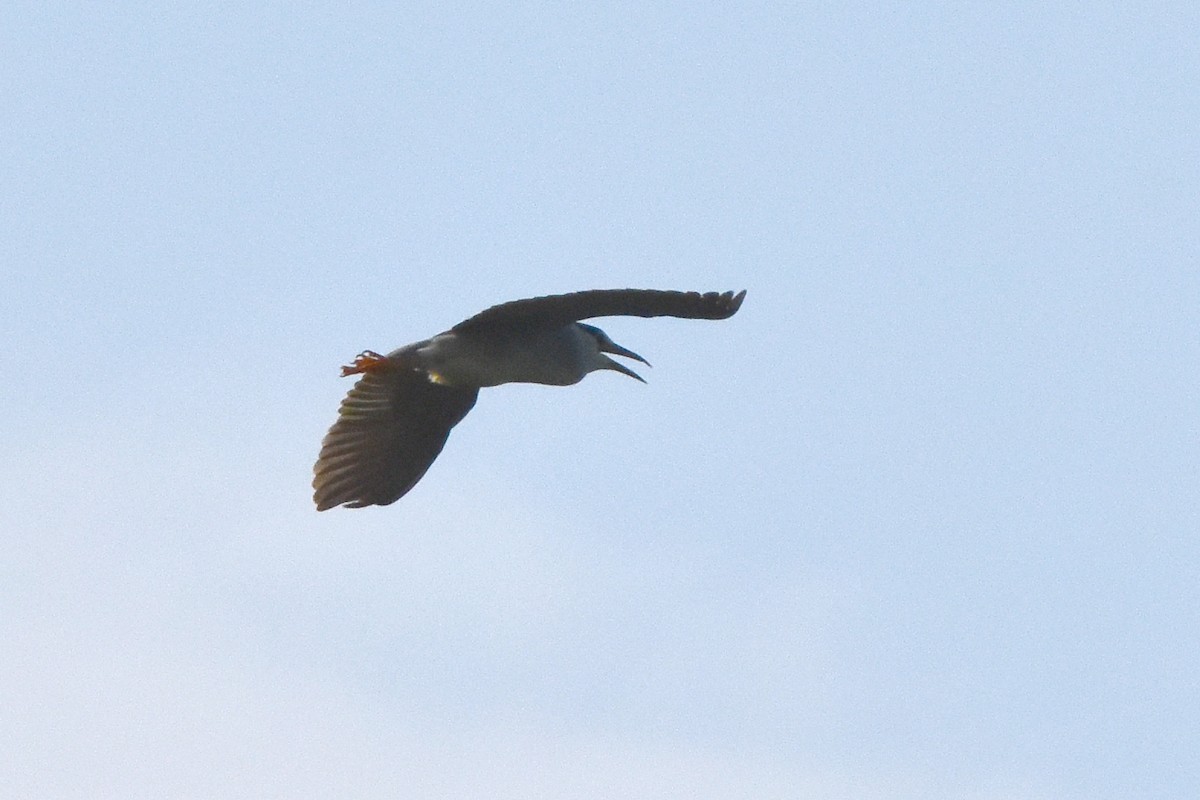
[{"x": 920, "y": 522}]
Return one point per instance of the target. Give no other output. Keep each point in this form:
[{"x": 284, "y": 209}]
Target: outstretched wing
[
  {"x": 390, "y": 428},
  {"x": 556, "y": 310}
]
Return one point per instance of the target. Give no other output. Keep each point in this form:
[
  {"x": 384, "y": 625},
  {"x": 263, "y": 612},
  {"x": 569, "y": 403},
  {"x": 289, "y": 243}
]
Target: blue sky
[{"x": 920, "y": 521}]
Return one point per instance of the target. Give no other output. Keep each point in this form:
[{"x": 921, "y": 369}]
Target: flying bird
[{"x": 395, "y": 421}]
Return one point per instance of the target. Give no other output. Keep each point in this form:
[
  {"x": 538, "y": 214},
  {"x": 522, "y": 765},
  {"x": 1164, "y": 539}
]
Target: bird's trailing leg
[{"x": 366, "y": 361}]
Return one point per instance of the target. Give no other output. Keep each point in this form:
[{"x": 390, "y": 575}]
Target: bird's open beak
[{"x": 612, "y": 347}]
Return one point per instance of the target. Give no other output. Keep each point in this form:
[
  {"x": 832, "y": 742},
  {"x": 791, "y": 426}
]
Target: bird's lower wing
[
  {"x": 390, "y": 428},
  {"x": 560, "y": 309}
]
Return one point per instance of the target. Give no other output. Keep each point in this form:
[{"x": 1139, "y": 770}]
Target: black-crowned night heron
[{"x": 395, "y": 420}]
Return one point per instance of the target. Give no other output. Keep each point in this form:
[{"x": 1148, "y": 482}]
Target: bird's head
[{"x": 607, "y": 345}]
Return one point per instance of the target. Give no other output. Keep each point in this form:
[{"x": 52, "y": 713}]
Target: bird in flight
[{"x": 395, "y": 421}]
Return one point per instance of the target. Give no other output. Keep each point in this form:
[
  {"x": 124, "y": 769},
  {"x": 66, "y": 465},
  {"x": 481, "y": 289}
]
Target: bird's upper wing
[
  {"x": 390, "y": 428},
  {"x": 557, "y": 310}
]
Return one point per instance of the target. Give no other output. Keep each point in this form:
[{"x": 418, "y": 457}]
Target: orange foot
[{"x": 366, "y": 361}]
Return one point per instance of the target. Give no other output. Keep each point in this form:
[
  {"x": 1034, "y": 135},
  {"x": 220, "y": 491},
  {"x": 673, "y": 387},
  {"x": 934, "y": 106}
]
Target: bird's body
[
  {"x": 555, "y": 357},
  {"x": 394, "y": 422}
]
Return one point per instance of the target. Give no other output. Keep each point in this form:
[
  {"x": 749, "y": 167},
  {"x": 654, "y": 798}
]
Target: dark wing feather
[
  {"x": 390, "y": 428},
  {"x": 556, "y": 310}
]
